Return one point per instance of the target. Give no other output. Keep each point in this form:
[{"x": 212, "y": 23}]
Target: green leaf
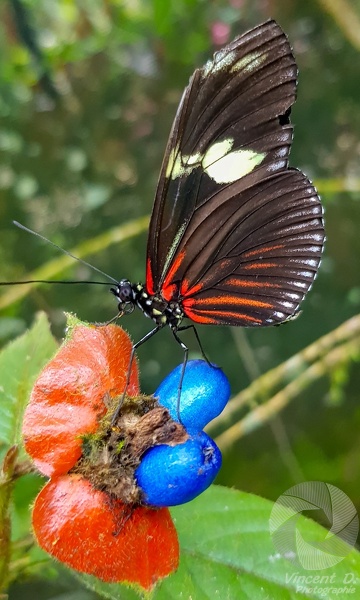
[
  {"x": 227, "y": 552},
  {"x": 227, "y": 546},
  {"x": 20, "y": 364},
  {"x": 24, "y": 491},
  {"x": 111, "y": 591}
]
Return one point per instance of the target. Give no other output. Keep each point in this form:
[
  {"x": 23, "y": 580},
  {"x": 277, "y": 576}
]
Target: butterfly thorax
[{"x": 153, "y": 306}]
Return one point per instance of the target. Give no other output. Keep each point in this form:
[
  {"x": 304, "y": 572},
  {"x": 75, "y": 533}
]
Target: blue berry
[
  {"x": 205, "y": 392},
  {"x": 171, "y": 475}
]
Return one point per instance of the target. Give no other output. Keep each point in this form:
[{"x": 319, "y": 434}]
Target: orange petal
[
  {"x": 85, "y": 529},
  {"x": 70, "y": 394}
]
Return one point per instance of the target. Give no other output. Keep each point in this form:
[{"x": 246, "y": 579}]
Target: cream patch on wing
[{"x": 220, "y": 163}]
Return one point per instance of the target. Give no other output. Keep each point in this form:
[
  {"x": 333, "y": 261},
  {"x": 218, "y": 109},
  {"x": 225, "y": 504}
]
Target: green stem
[
  {"x": 262, "y": 414},
  {"x": 346, "y": 17},
  {"x": 271, "y": 392},
  {"x": 6, "y": 486}
]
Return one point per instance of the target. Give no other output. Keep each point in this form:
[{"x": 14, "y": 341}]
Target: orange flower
[
  {"x": 82, "y": 528},
  {"x": 88, "y": 529},
  {"x": 73, "y": 392}
]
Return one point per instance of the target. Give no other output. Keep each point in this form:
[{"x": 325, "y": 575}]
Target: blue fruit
[
  {"x": 171, "y": 475},
  {"x": 205, "y": 392}
]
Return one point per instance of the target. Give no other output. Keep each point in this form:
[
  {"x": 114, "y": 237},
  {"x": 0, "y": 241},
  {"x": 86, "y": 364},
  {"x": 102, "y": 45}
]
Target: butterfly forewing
[
  {"x": 236, "y": 236},
  {"x": 228, "y": 105}
]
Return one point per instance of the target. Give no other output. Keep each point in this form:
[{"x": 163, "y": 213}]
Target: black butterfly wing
[
  {"x": 262, "y": 257},
  {"x": 244, "y": 94},
  {"x": 236, "y": 236}
]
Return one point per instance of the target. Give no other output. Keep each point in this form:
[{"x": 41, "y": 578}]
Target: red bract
[
  {"x": 73, "y": 392},
  {"x": 90, "y": 530},
  {"x": 79, "y": 526}
]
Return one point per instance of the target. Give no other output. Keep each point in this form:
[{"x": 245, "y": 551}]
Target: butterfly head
[{"x": 126, "y": 296}]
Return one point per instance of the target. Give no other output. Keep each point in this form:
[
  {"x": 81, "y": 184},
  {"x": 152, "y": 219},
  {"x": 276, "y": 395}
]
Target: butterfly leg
[
  {"x": 198, "y": 341},
  {"x": 132, "y": 356},
  {"x": 113, "y": 320},
  {"x": 186, "y": 354}
]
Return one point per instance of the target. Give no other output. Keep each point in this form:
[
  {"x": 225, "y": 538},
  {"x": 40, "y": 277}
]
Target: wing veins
[{"x": 238, "y": 97}]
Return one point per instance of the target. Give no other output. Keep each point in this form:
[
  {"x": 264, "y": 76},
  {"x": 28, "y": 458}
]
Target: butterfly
[{"x": 235, "y": 235}]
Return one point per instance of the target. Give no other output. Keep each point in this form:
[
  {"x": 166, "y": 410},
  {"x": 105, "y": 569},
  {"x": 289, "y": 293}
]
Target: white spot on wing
[
  {"x": 218, "y": 162},
  {"x": 222, "y": 60},
  {"x": 279, "y": 315},
  {"x": 179, "y": 165},
  {"x": 171, "y": 161},
  {"x": 300, "y": 284},
  {"x": 312, "y": 263},
  {"x": 216, "y": 152},
  {"x": 173, "y": 247},
  {"x": 282, "y": 152},
  {"x": 287, "y": 304},
  {"x": 276, "y": 166},
  {"x": 232, "y": 166},
  {"x": 249, "y": 63}
]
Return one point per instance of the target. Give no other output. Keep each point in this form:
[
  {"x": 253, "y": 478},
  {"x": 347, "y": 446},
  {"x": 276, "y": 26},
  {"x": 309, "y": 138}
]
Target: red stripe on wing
[
  {"x": 235, "y": 282},
  {"x": 225, "y": 300},
  {"x": 149, "y": 278},
  {"x": 216, "y": 317},
  {"x": 261, "y": 250},
  {"x": 186, "y": 291},
  {"x": 168, "y": 288},
  {"x": 241, "y": 283},
  {"x": 260, "y": 265}
]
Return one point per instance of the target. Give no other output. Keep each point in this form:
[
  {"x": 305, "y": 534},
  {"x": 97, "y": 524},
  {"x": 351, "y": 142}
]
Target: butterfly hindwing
[{"x": 266, "y": 257}]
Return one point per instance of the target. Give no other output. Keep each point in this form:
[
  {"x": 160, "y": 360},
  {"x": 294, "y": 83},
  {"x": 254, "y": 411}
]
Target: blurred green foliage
[{"x": 88, "y": 91}]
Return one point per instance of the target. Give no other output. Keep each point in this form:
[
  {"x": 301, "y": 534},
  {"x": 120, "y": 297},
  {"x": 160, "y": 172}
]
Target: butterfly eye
[{"x": 124, "y": 291}]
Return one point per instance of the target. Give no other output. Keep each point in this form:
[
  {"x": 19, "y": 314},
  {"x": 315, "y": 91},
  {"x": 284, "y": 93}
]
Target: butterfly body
[{"x": 153, "y": 306}]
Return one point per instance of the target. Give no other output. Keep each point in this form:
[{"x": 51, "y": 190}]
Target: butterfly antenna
[{"x": 84, "y": 262}]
